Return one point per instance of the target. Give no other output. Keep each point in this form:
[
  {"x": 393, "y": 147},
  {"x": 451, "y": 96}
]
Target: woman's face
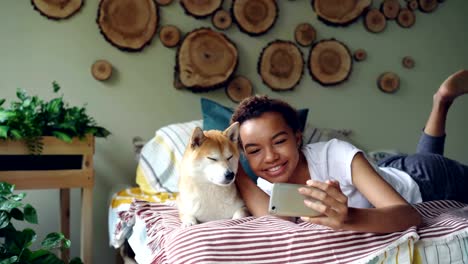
[{"x": 270, "y": 146}]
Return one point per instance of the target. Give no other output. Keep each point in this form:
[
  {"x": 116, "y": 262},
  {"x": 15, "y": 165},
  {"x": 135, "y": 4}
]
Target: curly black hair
[{"x": 255, "y": 106}]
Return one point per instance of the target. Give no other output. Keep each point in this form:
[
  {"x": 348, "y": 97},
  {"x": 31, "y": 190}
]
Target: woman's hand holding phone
[{"x": 333, "y": 204}]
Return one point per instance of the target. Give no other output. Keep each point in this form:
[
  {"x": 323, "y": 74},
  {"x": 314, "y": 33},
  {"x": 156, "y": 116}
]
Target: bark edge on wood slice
[
  {"x": 126, "y": 24},
  {"x": 169, "y": 35},
  {"x": 375, "y": 21},
  {"x": 281, "y": 65},
  {"x": 222, "y": 19},
  {"x": 339, "y": 13},
  {"x": 305, "y": 34},
  {"x": 254, "y": 17},
  {"x": 330, "y": 62},
  {"x": 408, "y": 62},
  {"x": 360, "y": 55},
  {"x": 205, "y": 60},
  {"x": 239, "y": 88},
  {"x": 428, "y": 6},
  {"x": 57, "y": 9},
  {"x": 406, "y": 18},
  {"x": 164, "y": 2},
  {"x": 390, "y": 8},
  {"x": 101, "y": 70},
  {"x": 388, "y": 82},
  {"x": 200, "y": 9}
]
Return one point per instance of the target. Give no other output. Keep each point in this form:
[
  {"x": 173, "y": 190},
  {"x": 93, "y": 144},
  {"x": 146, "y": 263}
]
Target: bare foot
[{"x": 454, "y": 86}]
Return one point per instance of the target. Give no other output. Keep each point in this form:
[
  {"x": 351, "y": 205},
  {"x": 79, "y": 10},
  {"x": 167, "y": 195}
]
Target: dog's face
[{"x": 213, "y": 155}]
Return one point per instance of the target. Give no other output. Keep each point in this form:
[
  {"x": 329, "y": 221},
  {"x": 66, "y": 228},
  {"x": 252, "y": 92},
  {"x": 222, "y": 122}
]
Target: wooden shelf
[{"x": 62, "y": 179}]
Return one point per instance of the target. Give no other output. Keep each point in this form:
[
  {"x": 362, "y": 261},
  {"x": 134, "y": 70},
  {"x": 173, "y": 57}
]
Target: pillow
[
  {"x": 217, "y": 116},
  {"x": 157, "y": 169}
]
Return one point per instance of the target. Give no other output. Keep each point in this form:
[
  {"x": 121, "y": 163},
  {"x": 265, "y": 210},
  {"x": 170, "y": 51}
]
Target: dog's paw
[
  {"x": 188, "y": 221},
  {"x": 240, "y": 213}
]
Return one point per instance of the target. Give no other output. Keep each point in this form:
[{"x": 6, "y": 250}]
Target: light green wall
[{"x": 140, "y": 97}]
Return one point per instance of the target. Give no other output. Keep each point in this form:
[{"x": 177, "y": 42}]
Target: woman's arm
[
  {"x": 254, "y": 198},
  {"x": 391, "y": 213}
]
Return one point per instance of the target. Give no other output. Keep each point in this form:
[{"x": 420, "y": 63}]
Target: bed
[{"x": 145, "y": 218}]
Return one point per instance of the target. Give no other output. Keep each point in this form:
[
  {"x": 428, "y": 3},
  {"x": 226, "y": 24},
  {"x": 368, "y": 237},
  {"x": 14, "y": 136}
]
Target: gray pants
[{"x": 438, "y": 177}]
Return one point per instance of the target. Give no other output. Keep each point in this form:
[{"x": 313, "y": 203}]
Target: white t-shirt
[{"x": 331, "y": 160}]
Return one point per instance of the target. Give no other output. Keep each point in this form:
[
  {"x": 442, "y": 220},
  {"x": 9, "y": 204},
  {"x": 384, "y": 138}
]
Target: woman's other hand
[{"x": 333, "y": 206}]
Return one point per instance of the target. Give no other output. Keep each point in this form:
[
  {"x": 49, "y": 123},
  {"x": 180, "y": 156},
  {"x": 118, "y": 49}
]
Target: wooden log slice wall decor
[
  {"x": 406, "y": 18},
  {"x": 254, "y": 17},
  {"x": 200, "y": 8},
  {"x": 340, "y": 12},
  {"x": 375, "y": 21},
  {"x": 239, "y": 88},
  {"x": 57, "y": 9},
  {"x": 101, "y": 70},
  {"x": 305, "y": 34},
  {"x": 360, "y": 55},
  {"x": 127, "y": 24},
  {"x": 222, "y": 19},
  {"x": 413, "y": 5},
  {"x": 388, "y": 82},
  {"x": 390, "y": 8},
  {"x": 281, "y": 65},
  {"x": 169, "y": 35},
  {"x": 330, "y": 62},
  {"x": 428, "y": 6},
  {"x": 205, "y": 60}
]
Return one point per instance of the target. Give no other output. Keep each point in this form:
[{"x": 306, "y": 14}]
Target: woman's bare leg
[
  {"x": 433, "y": 138},
  {"x": 454, "y": 86}
]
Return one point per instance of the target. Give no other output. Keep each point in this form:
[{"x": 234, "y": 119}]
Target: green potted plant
[
  {"x": 30, "y": 118},
  {"x": 16, "y": 244}
]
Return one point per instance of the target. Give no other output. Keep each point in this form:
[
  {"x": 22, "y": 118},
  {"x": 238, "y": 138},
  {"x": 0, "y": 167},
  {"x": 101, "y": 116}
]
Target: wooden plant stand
[{"x": 63, "y": 179}]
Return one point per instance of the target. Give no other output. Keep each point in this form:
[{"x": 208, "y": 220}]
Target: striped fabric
[
  {"x": 271, "y": 240},
  {"x": 159, "y": 159}
]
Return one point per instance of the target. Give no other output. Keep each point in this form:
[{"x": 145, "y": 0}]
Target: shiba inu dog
[{"x": 206, "y": 183}]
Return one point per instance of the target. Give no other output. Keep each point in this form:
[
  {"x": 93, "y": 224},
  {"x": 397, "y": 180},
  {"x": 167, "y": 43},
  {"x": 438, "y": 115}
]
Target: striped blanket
[{"x": 443, "y": 238}]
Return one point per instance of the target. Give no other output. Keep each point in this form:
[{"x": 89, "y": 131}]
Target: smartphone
[{"x": 285, "y": 200}]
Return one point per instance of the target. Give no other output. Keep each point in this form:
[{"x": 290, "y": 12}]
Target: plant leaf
[
  {"x": 2, "y": 101},
  {"x": 4, "y": 219},
  {"x": 21, "y": 94},
  {"x": 76, "y": 261},
  {"x": 28, "y": 237},
  {"x": 4, "y": 131},
  {"x": 61, "y": 135},
  {"x": 30, "y": 214},
  {"x": 16, "y": 134},
  {"x": 56, "y": 86},
  {"x": 6, "y": 114},
  {"x": 52, "y": 241},
  {"x": 17, "y": 214},
  {"x": 9, "y": 260},
  {"x": 6, "y": 188},
  {"x": 7, "y": 205}
]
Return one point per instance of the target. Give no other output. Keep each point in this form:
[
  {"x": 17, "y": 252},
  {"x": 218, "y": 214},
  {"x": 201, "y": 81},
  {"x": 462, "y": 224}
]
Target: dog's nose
[{"x": 229, "y": 175}]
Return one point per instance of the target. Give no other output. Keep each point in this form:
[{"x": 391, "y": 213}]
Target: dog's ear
[
  {"x": 197, "y": 138},
  {"x": 232, "y": 132}
]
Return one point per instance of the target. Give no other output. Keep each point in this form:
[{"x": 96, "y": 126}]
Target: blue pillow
[{"x": 217, "y": 116}]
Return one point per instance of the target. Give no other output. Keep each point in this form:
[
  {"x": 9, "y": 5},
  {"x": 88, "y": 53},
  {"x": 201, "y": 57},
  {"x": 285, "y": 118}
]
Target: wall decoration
[
  {"x": 57, "y": 9},
  {"x": 305, "y": 34},
  {"x": 169, "y": 35},
  {"x": 128, "y": 25},
  {"x": 221, "y": 19},
  {"x": 375, "y": 21},
  {"x": 428, "y": 6},
  {"x": 239, "y": 88},
  {"x": 413, "y": 5},
  {"x": 281, "y": 65},
  {"x": 388, "y": 82},
  {"x": 254, "y": 17},
  {"x": 408, "y": 62},
  {"x": 390, "y": 8},
  {"x": 406, "y": 18},
  {"x": 200, "y": 9},
  {"x": 330, "y": 62},
  {"x": 101, "y": 70},
  {"x": 163, "y": 2},
  {"x": 205, "y": 60},
  {"x": 360, "y": 55},
  {"x": 340, "y": 13}
]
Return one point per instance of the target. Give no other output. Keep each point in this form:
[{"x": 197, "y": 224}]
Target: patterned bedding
[{"x": 153, "y": 230}]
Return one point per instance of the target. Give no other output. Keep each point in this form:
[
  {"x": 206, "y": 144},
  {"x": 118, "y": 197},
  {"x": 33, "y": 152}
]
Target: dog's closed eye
[
  {"x": 230, "y": 157},
  {"x": 213, "y": 159}
]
